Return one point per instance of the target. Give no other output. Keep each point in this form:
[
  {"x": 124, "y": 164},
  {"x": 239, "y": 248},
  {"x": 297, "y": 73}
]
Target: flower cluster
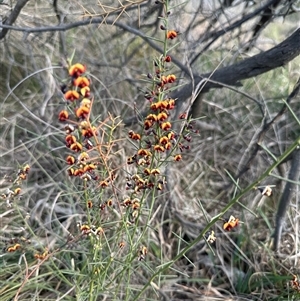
[
  {"x": 42, "y": 256},
  {"x": 15, "y": 190},
  {"x": 18, "y": 244},
  {"x": 228, "y": 225},
  {"x": 21, "y": 244},
  {"x": 88, "y": 230},
  {"x": 158, "y": 141},
  {"x": 134, "y": 206},
  {"x": 79, "y": 131},
  {"x": 88, "y": 160}
]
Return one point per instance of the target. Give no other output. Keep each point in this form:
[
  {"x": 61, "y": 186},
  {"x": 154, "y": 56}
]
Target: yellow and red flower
[
  {"x": 171, "y": 78},
  {"x": 151, "y": 117},
  {"x": 70, "y": 139},
  {"x": 41, "y": 256},
  {"x": 85, "y": 91},
  {"x": 63, "y": 115},
  {"x": 82, "y": 112},
  {"x": 165, "y": 126},
  {"x": 72, "y": 95},
  {"x": 162, "y": 116},
  {"x": 171, "y": 34},
  {"x": 78, "y": 172},
  {"x": 143, "y": 152},
  {"x": 231, "y": 223},
  {"x": 164, "y": 140},
  {"x": 168, "y": 145},
  {"x": 171, "y": 104},
  {"x": 77, "y": 69},
  {"x": 178, "y": 157},
  {"x": 85, "y": 103},
  {"x": 76, "y": 147},
  {"x": 17, "y": 191},
  {"x": 14, "y": 248},
  {"x": 70, "y": 160},
  {"x": 134, "y": 136},
  {"x": 159, "y": 148},
  {"x": 148, "y": 124},
  {"x": 81, "y": 82}
]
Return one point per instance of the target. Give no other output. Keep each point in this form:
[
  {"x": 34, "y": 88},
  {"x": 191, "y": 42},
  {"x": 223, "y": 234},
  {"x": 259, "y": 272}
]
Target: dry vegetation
[{"x": 241, "y": 264}]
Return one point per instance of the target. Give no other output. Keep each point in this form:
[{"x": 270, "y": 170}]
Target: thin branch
[
  {"x": 12, "y": 17},
  {"x": 265, "y": 19},
  {"x": 214, "y": 36},
  {"x": 64, "y": 27},
  {"x": 265, "y": 128}
]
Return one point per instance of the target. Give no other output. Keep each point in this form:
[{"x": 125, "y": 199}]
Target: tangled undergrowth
[{"x": 111, "y": 230}]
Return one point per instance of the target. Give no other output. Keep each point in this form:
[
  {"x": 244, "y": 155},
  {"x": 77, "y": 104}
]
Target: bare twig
[
  {"x": 214, "y": 36},
  {"x": 65, "y": 27},
  {"x": 266, "y": 18},
  {"x": 12, "y": 17},
  {"x": 265, "y": 128}
]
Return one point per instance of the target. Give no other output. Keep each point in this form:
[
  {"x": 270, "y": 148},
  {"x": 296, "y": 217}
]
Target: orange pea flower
[
  {"x": 148, "y": 124},
  {"x": 86, "y": 103},
  {"x": 77, "y": 69},
  {"x": 231, "y": 223},
  {"x": 85, "y": 91},
  {"x": 159, "y": 148},
  {"x": 177, "y": 157},
  {"x": 171, "y": 78},
  {"x": 162, "y": 116},
  {"x": 72, "y": 95},
  {"x": 171, "y": 34},
  {"x": 134, "y": 136},
  {"x": 163, "y": 140},
  {"x": 168, "y": 145},
  {"x": 14, "y": 248},
  {"x": 151, "y": 117},
  {"x": 143, "y": 152},
  {"x": 171, "y": 104},
  {"x": 70, "y": 160},
  {"x": 81, "y": 82},
  {"x": 76, "y": 147},
  {"x": 165, "y": 126},
  {"x": 17, "y": 191},
  {"x": 63, "y": 115},
  {"x": 82, "y": 112}
]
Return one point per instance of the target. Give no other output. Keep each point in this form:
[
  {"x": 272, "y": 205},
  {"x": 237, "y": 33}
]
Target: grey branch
[
  {"x": 258, "y": 64},
  {"x": 286, "y": 197}
]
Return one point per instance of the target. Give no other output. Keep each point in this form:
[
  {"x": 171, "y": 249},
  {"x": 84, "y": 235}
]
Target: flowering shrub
[{"x": 113, "y": 241}]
